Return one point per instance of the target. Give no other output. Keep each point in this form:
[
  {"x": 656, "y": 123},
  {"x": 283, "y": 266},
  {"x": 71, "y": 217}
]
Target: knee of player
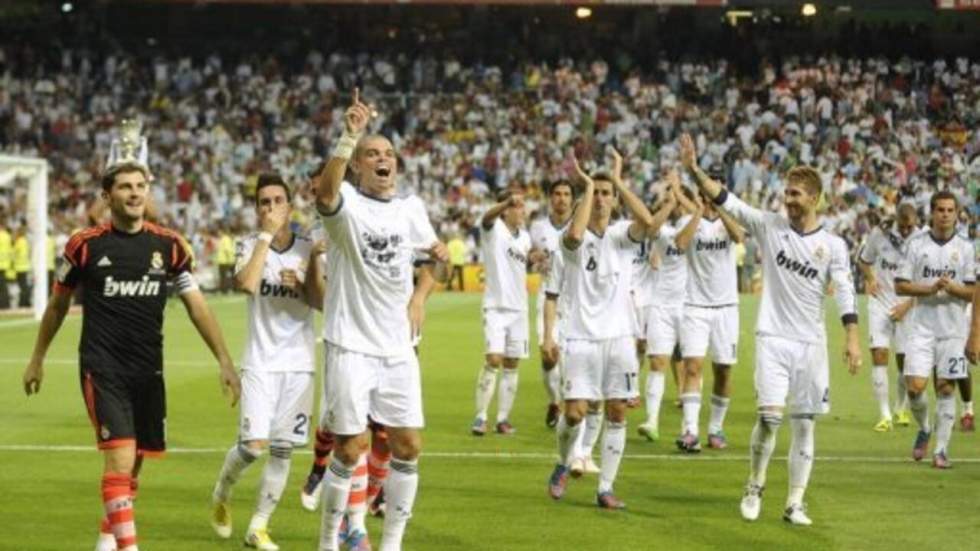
[
  {"x": 616, "y": 411},
  {"x": 692, "y": 367},
  {"x": 255, "y": 446},
  {"x": 945, "y": 387},
  {"x": 511, "y": 363},
  {"x": 770, "y": 418},
  {"x": 348, "y": 449},
  {"x": 494, "y": 361},
  {"x": 405, "y": 444}
]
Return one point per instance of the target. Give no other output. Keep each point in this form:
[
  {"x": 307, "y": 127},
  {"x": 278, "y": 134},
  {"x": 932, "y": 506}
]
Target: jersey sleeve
[
  {"x": 182, "y": 265},
  {"x": 620, "y": 233},
  {"x": 869, "y": 251},
  {"x": 422, "y": 234},
  {"x": 969, "y": 264},
  {"x": 905, "y": 268},
  {"x": 753, "y": 219},
  {"x": 840, "y": 274},
  {"x": 75, "y": 259},
  {"x": 243, "y": 252},
  {"x": 340, "y": 225}
]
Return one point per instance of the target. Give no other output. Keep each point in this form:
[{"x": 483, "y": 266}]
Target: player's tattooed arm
[
  {"x": 356, "y": 119},
  {"x": 207, "y": 327},
  {"x": 689, "y": 160},
  {"x": 642, "y": 219},
  {"x": 54, "y": 315},
  {"x": 735, "y": 231},
  {"x": 573, "y": 236}
]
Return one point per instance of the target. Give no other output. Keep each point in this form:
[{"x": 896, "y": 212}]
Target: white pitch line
[{"x": 498, "y": 455}]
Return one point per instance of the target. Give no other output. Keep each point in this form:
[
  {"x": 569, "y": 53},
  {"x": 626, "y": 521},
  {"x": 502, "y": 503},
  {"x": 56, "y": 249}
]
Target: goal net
[{"x": 19, "y": 175}]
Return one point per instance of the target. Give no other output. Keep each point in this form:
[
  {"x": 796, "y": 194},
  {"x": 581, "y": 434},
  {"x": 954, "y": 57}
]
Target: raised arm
[
  {"x": 735, "y": 231},
  {"x": 54, "y": 315},
  {"x": 328, "y": 188},
  {"x": 495, "y": 211},
  {"x": 662, "y": 215},
  {"x": 686, "y": 235},
  {"x": 580, "y": 220},
  {"x": 642, "y": 219},
  {"x": 751, "y": 218}
]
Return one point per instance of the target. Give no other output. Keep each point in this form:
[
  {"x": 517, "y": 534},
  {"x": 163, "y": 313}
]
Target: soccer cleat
[
  {"x": 606, "y": 500},
  {"x": 221, "y": 519},
  {"x": 577, "y": 468},
  {"x": 903, "y": 419},
  {"x": 558, "y": 481},
  {"x": 688, "y": 443},
  {"x": 504, "y": 427},
  {"x": 377, "y": 506},
  {"x": 940, "y": 461},
  {"x": 259, "y": 539},
  {"x": 479, "y": 427},
  {"x": 106, "y": 542},
  {"x": 649, "y": 431},
  {"x": 309, "y": 496},
  {"x": 966, "y": 423},
  {"x": 590, "y": 466},
  {"x": 796, "y": 514},
  {"x": 751, "y": 504},
  {"x": 921, "y": 444},
  {"x": 885, "y": 425},
  {"x": 717, "y": 441},
  {"x": 357, "y": 540},
  {"x": 551, "y": 418}
]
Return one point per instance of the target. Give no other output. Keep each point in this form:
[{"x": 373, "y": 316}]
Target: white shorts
[
  {"x": 642, "y": 320},
  {"x": 356, "y": 385},
  {"x": 663, "y": 328},
  {"x": 716, "y": 328},
  {"x": 882, "y": 331},
  {"x": 276, "y": 406},
  {"x": 901, "y": 335},
  {"x": 792, "y": 373},
  {"x": 505, "y": 332},
  {"x": 924, "y": 353},
  {"x": 600, "y": 370}
]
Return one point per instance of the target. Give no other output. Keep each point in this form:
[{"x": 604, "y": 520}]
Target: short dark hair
[
  {"x": 271, "y": 179},
  {"x": 604, "y": 177},
  {"x": 560, "y": 183},
  {"x": 943, "y": 195},
  {"x": 109, "y": 178}
]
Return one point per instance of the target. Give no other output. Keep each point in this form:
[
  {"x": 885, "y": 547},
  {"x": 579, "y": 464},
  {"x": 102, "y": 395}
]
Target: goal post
[{"x": 13, "y": 170}]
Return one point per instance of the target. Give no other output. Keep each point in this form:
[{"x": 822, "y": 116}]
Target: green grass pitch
[{"x": 484, "y": 494}]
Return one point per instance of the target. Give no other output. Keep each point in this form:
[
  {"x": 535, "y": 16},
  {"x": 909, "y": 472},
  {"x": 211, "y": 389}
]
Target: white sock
[
  {"x": 569, "y": 440},
  {"x": 336, "y": 491},
  {"x": 655, "y": 395},
  {"x": 273, "y": 482},
  {"x": 902, "y": 401},
  {"x": 879, "y": 384},
  {"x": 719, "y": 407},
  {"x": 507, "y": 393},
  {"x": 968, "y": 407},
  {"x": 552, "y": 383},
  {"x": 763, "y": 443},
  {"x": 613, "y": 444},
  {"x": 238, "y": 458},
  {"x": 800, "y": 458},
  {"x": 691, "y": 402},
  {"x": 485, "y": 385},
  {"x": 357, "y": 502},
  {"x": 919, "y": 405},
  {"x": 945, "y": 419},
  {"x": 400, "y": 489},
  {"x": 578, "y": 441},
  {"x": 593, "y": 425}
]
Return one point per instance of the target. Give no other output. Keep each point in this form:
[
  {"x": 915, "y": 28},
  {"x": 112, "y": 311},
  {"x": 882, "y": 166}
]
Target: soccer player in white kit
[
  {"x": 545, "y": 235},
  {"x": 800, "y": 259},
  {"x": 710, "y": 321},
  {"x": 278, "y": 271},
  {"x": 506, "y": 255},
  {"x": 879, "y": 260},
  {"x": 940, "y": 272},
  {"x": 599, "y": 356},
  {"x": 371, "y": 367}
]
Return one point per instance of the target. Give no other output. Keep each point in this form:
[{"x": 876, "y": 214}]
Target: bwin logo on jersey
[
  {"x": 141, "y": 288},
  {"x": 928, "y": 272},
  {"x": 267, "y": 289},
  {"x": 803, "y": 269},
  {"x": 674, "y": 251},
  {"x": 715, "y": 245},
  {"x": 516, "y": 255}
]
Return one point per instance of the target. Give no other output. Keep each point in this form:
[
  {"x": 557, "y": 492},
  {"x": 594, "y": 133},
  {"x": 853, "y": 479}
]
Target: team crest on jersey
[
  {"x": 954, "y": 257},
  {"x": 820, "y": 253},
  {"x": 156, "y": 262}
]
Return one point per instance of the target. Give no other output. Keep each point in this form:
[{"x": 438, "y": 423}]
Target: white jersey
[
  {"x": 546, "y": 237},
  {"x": 280, "y": 322},
  {"x": 505, "y": 267},
  {"x": 885, "y": 252},
  {"x": 670, "y": 283},
  {"x": 597, "y": 285},
  {"x": 711, "y": 276},
  {"x": 796, "y": 270},
  {"x": 941, "y": 315},
  {"x": 644, "y": 276},
  {"x": 369, "y": 271}
]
